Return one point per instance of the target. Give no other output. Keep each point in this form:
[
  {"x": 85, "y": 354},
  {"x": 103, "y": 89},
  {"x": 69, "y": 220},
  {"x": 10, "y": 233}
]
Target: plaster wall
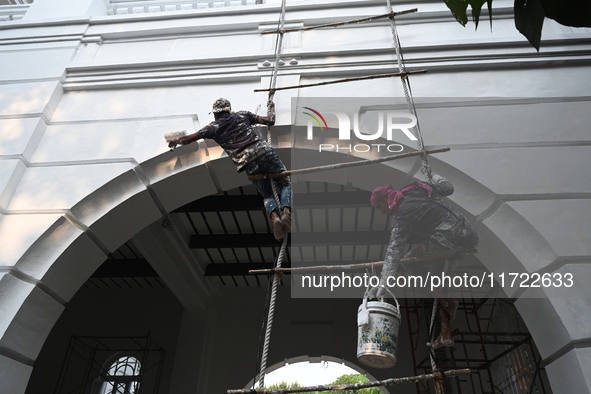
[{"x": 84, "y": 102}]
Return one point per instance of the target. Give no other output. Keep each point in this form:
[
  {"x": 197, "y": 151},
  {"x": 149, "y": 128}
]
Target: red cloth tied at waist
[{"x": 394, "y": 196}]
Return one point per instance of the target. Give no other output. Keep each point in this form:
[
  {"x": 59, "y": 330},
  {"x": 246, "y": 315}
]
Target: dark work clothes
[
  {"x": 430, "y": 222},
  {"x": 265, "y": 164},
  {"x": 234, "y": 133}
]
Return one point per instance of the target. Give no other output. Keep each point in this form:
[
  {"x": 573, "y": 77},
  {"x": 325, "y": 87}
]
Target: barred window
[{"x": 122, "y": 377}]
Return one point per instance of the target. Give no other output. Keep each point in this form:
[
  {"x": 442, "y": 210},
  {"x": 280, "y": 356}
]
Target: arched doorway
[{"x": 67, "y": 253}]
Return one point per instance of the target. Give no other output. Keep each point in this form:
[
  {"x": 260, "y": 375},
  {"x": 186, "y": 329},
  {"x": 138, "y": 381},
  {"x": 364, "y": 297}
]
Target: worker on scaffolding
[
  {"x": 234, "y": 132},
  {"x": 421, "y": 216}
]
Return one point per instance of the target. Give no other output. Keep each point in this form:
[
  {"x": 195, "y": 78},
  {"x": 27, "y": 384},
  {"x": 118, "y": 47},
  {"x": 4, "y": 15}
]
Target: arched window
[{"x": 122, "y": 377}]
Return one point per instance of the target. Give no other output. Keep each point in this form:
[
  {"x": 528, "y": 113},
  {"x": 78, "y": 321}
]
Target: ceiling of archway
[{"x": 229, "y": 234}]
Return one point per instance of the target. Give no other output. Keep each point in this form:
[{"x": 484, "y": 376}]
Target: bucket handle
[
  {"x": 395, "y": 299},
  {"x": 366, "y": 298}
]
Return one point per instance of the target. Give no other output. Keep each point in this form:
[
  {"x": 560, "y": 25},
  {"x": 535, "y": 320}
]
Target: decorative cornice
[{"x": 340, "y": 63}]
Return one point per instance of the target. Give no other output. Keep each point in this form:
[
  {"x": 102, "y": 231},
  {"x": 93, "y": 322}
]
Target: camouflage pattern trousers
[
  {"x": 269, "y": 163},
  {"x": 451, "y": 236}
]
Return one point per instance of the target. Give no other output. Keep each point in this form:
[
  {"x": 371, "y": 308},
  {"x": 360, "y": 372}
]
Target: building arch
[{"x": 123, "y": 204}]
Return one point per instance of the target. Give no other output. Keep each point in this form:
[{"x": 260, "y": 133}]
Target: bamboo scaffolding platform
[
  {"x": 357, "y": 266},
  {"x": 337, "y": 24},
  {"x": 358, "y": 386},
  {"x": 345, "y": 165},
  {"x": 376, "y": 76}
]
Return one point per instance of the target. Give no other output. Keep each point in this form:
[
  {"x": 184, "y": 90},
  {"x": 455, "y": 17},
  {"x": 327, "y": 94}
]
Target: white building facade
[{"x": 89, "y": 87}]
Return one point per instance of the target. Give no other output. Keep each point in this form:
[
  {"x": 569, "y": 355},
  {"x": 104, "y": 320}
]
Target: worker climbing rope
[
  {"x": 234, "y": 132},
  {"x": 420, "y": 215}
]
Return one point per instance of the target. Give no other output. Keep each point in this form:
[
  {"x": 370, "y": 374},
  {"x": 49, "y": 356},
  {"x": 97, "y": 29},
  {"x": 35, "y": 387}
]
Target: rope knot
[{"x": 279, "y": 274}]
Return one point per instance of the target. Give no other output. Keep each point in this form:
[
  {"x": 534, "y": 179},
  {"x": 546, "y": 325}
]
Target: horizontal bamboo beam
[
  {"x": 401, "y": 74},
  {"x": 357, "y": 266},
  {"x": 345, "y": 165},
  {"x": 337, "y": 24},
  {"x": 262, "y": 240},
  {"x": 357, "y": 386}
]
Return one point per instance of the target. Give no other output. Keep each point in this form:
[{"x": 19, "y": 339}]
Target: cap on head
[{"x": 221, "y": 105}]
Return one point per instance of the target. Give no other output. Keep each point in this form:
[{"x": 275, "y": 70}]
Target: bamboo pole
[
  {"x": 357, "y": 386},
  {"x": 356, "y": 266},
  {"x": 337, "y": 24},
  {"x": 344, "y": 165},
  {"x": 402, "y": 74}
]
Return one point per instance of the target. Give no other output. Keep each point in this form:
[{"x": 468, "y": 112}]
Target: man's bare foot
[
  {"x": 445, "y": 338},
  {"x": 286, "y": 219},
  {"x": 278, "y": 230},
  {"x": 440, "y": 342}
]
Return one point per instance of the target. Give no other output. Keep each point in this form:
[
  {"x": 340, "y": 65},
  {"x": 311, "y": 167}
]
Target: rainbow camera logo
[{"x": 316, "y": 117}]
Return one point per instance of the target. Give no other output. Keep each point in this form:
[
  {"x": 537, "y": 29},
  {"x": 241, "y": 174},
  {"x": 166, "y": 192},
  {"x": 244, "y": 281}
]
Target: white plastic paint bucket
[{"x": 377, "y": 333}]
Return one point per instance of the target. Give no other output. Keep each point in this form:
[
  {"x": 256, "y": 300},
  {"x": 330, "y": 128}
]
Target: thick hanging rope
[
  {"x": 277, "y": 276},
  {"x": 263, "y": 333},
  {"x": 431, "y": 350},
  {"x": 272, "y": 299},
  {"x": 439, "y": 383},
  {"x": 407, "y": 90},
  {"x": 270, "y": 315},
  {"x": 432, "y": 334},
  {"x": 425, "y": 165},
  {"x": 278, "y": 47}
]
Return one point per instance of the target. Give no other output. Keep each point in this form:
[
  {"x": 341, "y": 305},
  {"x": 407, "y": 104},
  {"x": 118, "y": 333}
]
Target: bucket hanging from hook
[{"x": 377, "y": 333}]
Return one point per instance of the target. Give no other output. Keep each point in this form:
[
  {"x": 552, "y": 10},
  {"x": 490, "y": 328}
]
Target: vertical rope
[
  {"x": 262, "y": 335},
  {"x": 270, "y": 315},
  {"x": 278, "y": 46},
  {"x": 416, "y": 130},
  {"x": 432, "y": 338},
  {"x": 277, "y": 276}
]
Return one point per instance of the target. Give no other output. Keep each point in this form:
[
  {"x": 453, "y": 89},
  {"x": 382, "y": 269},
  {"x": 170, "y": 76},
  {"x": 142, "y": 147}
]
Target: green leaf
[
  {"x": 283, "y": 385},
  {"x": 529, "y": 19},
  {"x": 529, "y": 14},
  {"x": 352, "y": 379},
  {"x": 458, "y": 9},
  {"x": 576, "y": 13},
  {"x": 489, "y": 6},
  {"x": 476, "y": 9}
]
